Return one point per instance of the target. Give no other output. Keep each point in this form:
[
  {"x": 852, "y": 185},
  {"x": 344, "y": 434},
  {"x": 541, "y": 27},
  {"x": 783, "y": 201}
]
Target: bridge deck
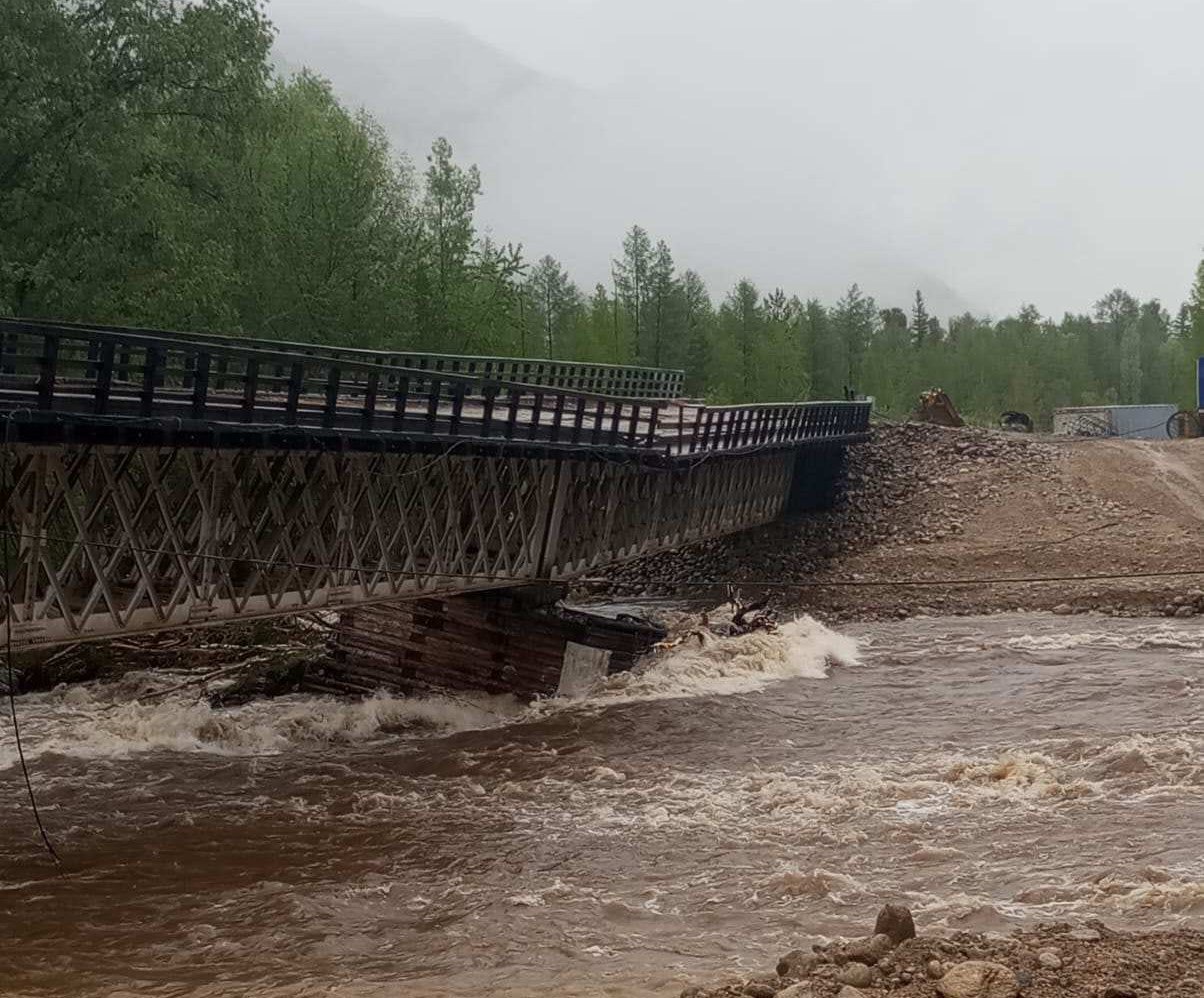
[{"x": 55, "y": 373}]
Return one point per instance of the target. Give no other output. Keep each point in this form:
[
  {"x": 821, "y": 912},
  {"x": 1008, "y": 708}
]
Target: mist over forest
[{"x": 355, "y": 175}]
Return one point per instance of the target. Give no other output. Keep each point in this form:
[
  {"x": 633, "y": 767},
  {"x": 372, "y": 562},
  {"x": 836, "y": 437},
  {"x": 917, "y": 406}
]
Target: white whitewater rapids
[{"x": 97, "y": 720}]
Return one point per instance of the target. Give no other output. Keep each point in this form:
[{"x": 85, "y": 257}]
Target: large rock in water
[
  {"x": 895, "y": 921},
  {"x": 978, "y": 979}
]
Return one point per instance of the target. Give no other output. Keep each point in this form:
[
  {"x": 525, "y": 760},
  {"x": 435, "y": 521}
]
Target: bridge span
[{"x": 155, "y": 480}]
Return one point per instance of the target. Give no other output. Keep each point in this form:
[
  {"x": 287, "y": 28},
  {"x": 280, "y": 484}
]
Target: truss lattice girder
[{"x": 104, "y": 540}]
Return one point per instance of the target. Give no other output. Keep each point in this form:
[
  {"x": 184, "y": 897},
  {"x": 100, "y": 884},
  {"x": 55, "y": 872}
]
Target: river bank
[
  {"x": 933, "y": 521},
  {"x": 1057, "y": 960}
]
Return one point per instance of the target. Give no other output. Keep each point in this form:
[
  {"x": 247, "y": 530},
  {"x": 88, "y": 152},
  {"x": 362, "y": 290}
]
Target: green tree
[
  {"x": 741, "y": 325},
  {"x": 555, "y": 301},
  {"x": 121, "y": 122},
  {"x": 325, "y": 224},
  {"x": 444, "y": 282},
  {"x": 631, "y": 277},
  {"x": 698, "y": 316},
  {"x": 663, "y": 325},
  {"x": 921, "y": 321},
  {"x": 822, "y": 351},
  {"x": 854, "y": 320},
  {"x": 780, "y": 360}
]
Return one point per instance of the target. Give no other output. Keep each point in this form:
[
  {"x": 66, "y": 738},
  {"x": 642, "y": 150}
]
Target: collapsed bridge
[{"x": 154, "y": 480}]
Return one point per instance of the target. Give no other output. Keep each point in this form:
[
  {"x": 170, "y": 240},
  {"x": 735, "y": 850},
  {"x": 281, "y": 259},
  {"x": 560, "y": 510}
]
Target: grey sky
[{"x": 993, "y": 152}]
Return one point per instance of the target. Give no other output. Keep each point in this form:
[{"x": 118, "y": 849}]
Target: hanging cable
[{"x": 9, "y": 617}]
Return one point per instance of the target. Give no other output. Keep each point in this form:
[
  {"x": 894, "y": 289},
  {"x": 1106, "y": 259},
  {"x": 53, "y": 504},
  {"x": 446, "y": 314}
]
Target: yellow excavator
[{"x": 936, "y": 407}]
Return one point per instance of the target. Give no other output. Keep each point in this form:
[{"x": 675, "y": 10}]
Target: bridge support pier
[
  {"x": 515, "y": 640},
  {"x": 816, "y": 479}
]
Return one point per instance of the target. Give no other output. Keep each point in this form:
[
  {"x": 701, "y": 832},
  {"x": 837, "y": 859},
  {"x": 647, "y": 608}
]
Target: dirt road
[{"x": 926, "y": 505}]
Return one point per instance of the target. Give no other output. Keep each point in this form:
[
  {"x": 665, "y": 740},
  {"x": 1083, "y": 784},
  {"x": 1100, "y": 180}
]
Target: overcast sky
[{"x": 1009, "y": 150}]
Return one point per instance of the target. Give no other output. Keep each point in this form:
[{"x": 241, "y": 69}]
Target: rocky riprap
[{"x": 1050, "y": 961}]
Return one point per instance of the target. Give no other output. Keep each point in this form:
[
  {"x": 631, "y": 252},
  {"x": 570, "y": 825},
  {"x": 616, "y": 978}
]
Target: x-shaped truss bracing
[{"x": 105, "y": 540}]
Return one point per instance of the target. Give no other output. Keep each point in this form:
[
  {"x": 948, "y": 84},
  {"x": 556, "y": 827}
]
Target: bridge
[{"x": 154, "y": 480}]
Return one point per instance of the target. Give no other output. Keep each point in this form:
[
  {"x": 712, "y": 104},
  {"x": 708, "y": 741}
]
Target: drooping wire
[{"x": 11, "y": 677}]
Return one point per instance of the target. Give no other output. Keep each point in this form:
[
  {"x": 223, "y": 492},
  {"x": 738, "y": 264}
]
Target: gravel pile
[{"x": 910, "y": 484}]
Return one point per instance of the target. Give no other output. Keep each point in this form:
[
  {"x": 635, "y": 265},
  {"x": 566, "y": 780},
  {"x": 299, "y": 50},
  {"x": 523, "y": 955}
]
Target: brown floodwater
[{"x": 702, "y": 818}]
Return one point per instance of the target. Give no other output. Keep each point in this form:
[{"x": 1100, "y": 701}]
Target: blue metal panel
[{"x": 1200, "y": 382}]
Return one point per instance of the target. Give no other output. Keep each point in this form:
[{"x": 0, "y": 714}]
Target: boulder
[
  {"x": 1084, "y": 935},
  {"x": 856, "y": 974},
  {"x": 978, "y": 979},
  {"x": 797, "y": 963},
  {"x": 895, "y": 921},
  {"x": 1049, "y": 959},
  {"x": 1119, "y": 991},
  {"x": 868, "y": 951},
  {"x": 757, "y": 990}
]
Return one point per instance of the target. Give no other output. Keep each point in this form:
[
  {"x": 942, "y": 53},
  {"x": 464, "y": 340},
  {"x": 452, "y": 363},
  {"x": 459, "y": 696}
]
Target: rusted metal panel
[{"x": 496, "y": 642}]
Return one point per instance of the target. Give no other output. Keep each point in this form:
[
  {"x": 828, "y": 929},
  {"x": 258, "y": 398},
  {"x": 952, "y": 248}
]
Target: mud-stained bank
[{"x": 696, "y": 819}]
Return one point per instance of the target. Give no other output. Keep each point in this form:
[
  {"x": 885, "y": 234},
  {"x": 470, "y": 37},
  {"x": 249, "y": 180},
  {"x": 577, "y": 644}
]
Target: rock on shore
[{"x": 1050, "y": 961}]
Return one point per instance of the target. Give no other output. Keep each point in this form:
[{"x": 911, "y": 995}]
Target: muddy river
[{"x": 701, "y": 818}]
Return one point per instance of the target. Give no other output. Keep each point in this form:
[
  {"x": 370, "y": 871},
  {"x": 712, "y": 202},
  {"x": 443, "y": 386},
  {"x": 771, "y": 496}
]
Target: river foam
[
  {"x": 108, "y": 720},
  {"x": 96, "y": 728},
  {"x": 705, "y": 665}
]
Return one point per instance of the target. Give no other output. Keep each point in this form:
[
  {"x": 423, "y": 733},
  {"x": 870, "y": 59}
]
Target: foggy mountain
[{"x": 567, "y": 169}]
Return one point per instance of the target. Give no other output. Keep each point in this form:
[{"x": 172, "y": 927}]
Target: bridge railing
[
  {"x": 76, "y": 370},
  {"x": 747, "y": 427},
  {"x": 92, "y": 372},
  {"x": 619, "y": 380}
]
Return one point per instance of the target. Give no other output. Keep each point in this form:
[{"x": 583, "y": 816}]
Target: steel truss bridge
[{"x": 154, "y": 480}]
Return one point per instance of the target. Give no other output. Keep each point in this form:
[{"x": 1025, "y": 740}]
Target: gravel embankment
[{"x": 924, "y": 506}]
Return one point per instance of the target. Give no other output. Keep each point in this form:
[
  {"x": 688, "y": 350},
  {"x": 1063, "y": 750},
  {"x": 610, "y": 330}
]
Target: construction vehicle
[{"x": 937, "y": 407}]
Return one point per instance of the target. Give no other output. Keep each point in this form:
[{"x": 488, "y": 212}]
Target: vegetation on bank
[{"x": 156, "y": 170}]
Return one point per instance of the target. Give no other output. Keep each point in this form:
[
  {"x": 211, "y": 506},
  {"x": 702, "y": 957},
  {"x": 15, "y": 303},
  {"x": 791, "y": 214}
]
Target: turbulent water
[{"x": 728, "y": 804}]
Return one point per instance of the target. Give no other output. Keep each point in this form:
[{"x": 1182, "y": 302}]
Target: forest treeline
[{"x": 156, "y": 170}]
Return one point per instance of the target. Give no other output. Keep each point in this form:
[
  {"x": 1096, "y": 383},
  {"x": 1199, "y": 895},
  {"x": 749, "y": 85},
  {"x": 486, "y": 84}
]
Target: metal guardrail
[
  {"x": 73, "y": 370},
  {"x": 623, "y": 381}
]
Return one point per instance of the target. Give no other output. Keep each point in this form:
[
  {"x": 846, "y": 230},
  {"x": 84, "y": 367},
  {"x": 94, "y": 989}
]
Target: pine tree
[
  {"x": 742, "y": 322},
  {"x": 822, "y": 351},
  {"x": 555, "y": 302},
  {"x": 855, "y": 320},
  {"x": 598, "y": 341},
  {"x": 662, "y": 291},
  {"x": 697, "y": 318},
  {"x": 631, "y": 277},
  {"x": 448, "y": 236},
  {"x": 921, "y": 322}
]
